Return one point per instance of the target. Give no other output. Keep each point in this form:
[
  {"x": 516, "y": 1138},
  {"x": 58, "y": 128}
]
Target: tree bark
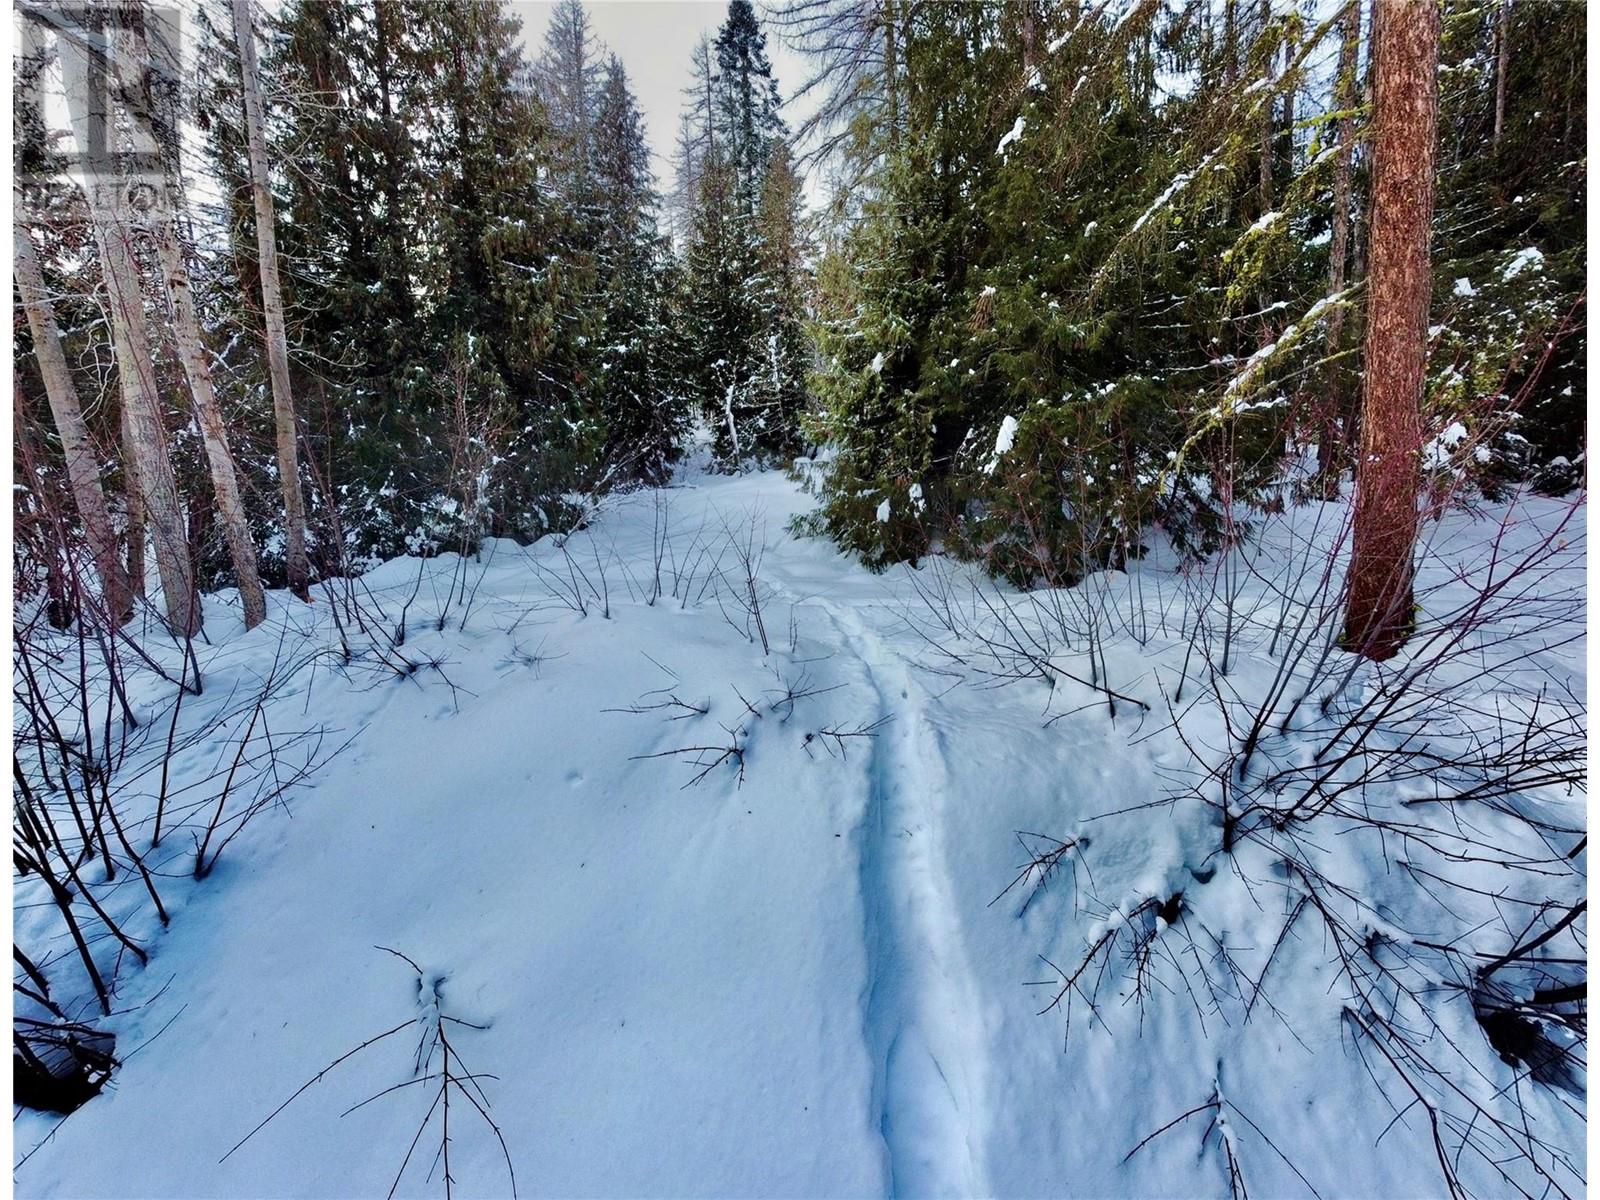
[
  {"x": 891, "y": 70},
  {"x": 143, "y": 423},
  {"x": 1345, "y": 99},
  {"x": 134, "y": 87},
  {"x": 297, "y": 564},
  {"x": 133, "y": 497},
  {"x": 1501, "y": 67},
  {"x": 1230, "y": 45},
  {"x": 83, "y": 470},
  {"x": 1268, "y": 134},
  {"x": 1379, "y": 614},
  {"x": 38, "y": 524}
]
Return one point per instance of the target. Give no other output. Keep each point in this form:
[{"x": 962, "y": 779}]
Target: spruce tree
[
  {"x": 743, "y": 264},
  {"x": 640, "y": 398}
]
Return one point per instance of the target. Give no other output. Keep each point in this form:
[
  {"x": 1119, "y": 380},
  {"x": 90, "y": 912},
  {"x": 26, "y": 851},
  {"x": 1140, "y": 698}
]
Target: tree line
[
  {"x": 381, "y": 281},
  {"x": 1092, "y": 269},
  {"x": 369, "y": 279}
]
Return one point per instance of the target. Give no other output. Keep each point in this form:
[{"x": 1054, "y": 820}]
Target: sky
[{"x": 654, "y": 39}]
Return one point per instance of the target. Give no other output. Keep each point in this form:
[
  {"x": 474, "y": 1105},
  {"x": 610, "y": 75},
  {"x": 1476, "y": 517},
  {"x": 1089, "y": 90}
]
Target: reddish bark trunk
[{"x": 1379, "y": 607}]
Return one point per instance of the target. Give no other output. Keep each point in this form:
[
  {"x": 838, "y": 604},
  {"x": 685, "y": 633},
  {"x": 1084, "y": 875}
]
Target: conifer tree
[
  {"x": 641, "y": 400},
  {"x": 742, "y": 264},
  {"x": 569, "y": 76}
]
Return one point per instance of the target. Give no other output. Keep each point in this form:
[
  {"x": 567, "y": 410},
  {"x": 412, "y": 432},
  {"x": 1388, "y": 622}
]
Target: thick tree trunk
[
  {"x": 294, "y": 509},
  {"x": 143, "y": 424},
  {"x": 133, "y": 64},
  {"x": 1344, "y": 102},
  {"x": 83, "y": 469},
  {"x": 1379, "y": 613}
]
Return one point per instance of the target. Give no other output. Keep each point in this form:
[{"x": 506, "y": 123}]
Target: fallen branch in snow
[
  {"x": 707, "y": 758},
  {"x": 669, "y": 702},
  {"x": 452, "y": 1077},
  {"x": 1045, "y": 857},
  {"x": 838, "y": 736}
]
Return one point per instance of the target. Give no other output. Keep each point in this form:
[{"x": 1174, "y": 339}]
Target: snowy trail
[
  {"x": 920, "y": 1011},
  {"x": 784, "y": 975}
]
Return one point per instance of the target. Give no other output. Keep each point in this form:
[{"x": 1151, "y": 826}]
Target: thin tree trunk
[
  {"x": 1501, "y": 66},
  {"x": 297, "y": 564},
  {"x": 83, "y": 470},
  {"x": 1230, "y": 43},
  {"x": 1264, "y": 182},
  {"x": 1344, "y": 102},
  {"x": 39, "y": 524},
  {"x": 1379, "y": 607},
  {"x": 133, "y": 498},
  {"x": 1029, "y": 28},
  {"x": 133, "y": 64},
  {"x": 143, "y": 424},
  {"x": 891, "y": 71}
]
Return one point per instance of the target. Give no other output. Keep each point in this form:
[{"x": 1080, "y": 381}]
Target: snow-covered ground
[{"x": 795, "y": 975}]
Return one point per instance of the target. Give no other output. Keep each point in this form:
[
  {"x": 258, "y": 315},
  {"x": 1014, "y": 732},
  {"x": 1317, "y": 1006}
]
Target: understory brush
[{"x": 1379, "y": 861}]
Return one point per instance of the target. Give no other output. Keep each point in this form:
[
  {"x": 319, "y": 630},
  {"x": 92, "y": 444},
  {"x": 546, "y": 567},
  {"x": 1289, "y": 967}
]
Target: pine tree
[
  {"x": 747, "y": 103},
  {"x": 1005, "y": 373},
  {"x": 742, "y": 264},
  {"x": 640, "y": 398},
  {"x": 569, "y": 77},
  {"x": 432, "y": 250},
  {"x": 1379, "y": 612}
]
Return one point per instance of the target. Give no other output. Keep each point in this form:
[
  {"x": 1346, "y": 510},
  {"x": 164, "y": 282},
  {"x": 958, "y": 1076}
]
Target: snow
[
  {"x": 1464, "y": 288},
  {"x": 1520, "y": 261},
  {"x": 1179, "y": 182},
  {"x": 1441, "y": 449},
  {"x": 1265, "y": 221},
  {"x": 803, "y": 981},
  {"x": 1012, "y": 135},
  {"x": 1003, "y": 441}
]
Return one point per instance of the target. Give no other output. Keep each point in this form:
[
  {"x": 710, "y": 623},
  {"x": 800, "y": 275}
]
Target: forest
[{"x": 1001, "y": 615}]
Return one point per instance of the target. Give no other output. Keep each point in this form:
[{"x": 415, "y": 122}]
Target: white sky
[{"x": 654, "y": 39}]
